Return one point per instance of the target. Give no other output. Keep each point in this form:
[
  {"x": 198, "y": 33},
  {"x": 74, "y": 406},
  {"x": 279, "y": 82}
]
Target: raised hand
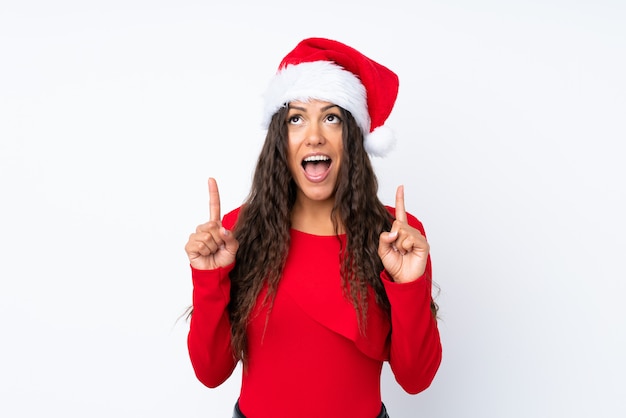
[
  {"x": 212, "y": 246},
  {"x": 403, "y": 250}
]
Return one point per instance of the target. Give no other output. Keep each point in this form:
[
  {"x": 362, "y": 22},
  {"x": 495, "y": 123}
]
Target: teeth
[{"x": 316, "y": 158}]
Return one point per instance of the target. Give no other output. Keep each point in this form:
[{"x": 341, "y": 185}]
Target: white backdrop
[{"x": 511, "y": 125}]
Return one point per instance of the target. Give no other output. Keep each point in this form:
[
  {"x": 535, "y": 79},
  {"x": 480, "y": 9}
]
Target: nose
[{"x": 314, "y": 135}]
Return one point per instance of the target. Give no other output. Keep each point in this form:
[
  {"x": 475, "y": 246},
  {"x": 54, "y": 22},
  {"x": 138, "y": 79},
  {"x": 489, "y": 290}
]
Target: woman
[{"x": 313, "y": 283}]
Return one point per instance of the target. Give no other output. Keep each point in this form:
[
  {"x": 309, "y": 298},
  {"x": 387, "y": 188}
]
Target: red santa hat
[{"x": 328, "y": 70}]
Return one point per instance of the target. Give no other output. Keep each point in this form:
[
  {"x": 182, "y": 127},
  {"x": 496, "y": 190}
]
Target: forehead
[{"x": 311, "y": 104}]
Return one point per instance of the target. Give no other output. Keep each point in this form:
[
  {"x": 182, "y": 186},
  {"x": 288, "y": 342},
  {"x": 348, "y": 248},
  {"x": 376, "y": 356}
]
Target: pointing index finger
[
  {"x": 400, "y": 211},
  {"x": 214, "y": 201}
]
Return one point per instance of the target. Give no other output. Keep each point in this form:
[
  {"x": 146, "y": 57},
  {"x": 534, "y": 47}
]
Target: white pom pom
[{"x": 379, "y": 142}]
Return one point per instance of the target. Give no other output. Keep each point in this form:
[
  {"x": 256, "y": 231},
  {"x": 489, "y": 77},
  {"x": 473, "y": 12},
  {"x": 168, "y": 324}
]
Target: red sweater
[{"x": 309, "y": 359}]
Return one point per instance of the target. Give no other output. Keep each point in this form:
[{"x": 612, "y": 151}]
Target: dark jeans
[{"x": 237, "y": 412}]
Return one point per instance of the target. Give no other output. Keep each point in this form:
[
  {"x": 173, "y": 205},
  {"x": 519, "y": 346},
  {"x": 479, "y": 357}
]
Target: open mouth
[{"x": 316, "y": 167}]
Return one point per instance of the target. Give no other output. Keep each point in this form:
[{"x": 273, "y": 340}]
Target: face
[{"x": 315, "y": 147}]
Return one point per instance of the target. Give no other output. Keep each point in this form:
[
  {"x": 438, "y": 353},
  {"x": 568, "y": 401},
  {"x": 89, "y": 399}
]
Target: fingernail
[
  {"x": 393, "y": 234},
  {"x": 225, "y": 231}
]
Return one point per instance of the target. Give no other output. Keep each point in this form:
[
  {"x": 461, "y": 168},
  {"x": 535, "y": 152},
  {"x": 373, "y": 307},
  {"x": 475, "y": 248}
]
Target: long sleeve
[
  {"x": 415, "y": 351},
  {"x": 209, "y": 338}
]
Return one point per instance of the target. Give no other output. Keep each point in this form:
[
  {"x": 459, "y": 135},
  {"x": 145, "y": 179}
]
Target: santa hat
[{"x": 328, "y": 70}]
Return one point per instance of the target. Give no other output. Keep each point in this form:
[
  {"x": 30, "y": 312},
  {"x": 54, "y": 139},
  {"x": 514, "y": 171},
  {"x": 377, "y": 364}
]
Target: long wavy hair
[{"x": 263, "y": 228}]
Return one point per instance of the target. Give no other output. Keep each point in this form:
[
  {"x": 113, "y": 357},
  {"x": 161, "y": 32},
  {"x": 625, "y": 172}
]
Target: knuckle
[{"x": 213, "y": 226}]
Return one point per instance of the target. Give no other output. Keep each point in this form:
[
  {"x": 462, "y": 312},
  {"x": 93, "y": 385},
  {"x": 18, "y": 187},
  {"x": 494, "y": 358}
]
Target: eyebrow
[{"x": 324, "y": 109}]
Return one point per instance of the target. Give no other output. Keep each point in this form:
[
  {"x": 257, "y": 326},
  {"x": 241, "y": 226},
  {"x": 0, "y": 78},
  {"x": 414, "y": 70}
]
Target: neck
[{"x": 313, "y": 217}]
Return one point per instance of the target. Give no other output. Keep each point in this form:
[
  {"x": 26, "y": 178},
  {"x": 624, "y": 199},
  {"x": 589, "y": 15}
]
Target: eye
[
  {"x": 294, "y": 120},
  {"x": 332, "y": 118}
]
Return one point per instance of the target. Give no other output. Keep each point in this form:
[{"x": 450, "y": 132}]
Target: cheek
[
  {"x": 292, "y": 151},
  {"x": 292, "y": 158},
  {"x": 293, "y": 144},
  {"x": 335, "y": 135},
  {"x": 339, "y": 145}
]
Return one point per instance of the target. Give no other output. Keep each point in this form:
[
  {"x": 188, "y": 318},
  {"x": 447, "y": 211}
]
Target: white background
[{"x": 511, "y": 125}]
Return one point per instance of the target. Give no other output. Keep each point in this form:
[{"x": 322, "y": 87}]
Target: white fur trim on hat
[
  {"x": 380, "y": 141},
  {"x": 320, "y": 80}
]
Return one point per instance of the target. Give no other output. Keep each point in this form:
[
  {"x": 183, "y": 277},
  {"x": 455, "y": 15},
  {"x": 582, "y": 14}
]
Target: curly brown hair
[
  {"x": 264, "y": 222},
  {"x": 263, "y": 227}
]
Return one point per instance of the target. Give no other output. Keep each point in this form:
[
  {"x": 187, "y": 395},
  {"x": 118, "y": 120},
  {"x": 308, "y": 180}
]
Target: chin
[{"x": 318, "y": 194}]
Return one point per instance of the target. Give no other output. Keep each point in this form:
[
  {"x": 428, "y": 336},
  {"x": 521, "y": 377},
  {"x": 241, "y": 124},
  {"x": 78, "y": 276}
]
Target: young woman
[{"x": 313, "y": 283}]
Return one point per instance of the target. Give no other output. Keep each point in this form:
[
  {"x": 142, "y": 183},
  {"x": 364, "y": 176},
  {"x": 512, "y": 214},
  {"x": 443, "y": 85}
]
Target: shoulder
[
  {"x": 230, "y": 219},
  {"x": 412, "y": 220}
]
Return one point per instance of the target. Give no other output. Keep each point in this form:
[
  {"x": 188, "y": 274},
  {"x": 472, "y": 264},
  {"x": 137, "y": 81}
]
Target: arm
[
  {"x": 415, "y": 350},
  {"x": 211, "y": 251}
]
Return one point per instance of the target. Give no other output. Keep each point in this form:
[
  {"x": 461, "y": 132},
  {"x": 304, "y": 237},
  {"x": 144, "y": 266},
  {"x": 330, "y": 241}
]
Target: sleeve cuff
[
  {"x": 205, "y": 274},
  {"x": 387, "y": 279}
]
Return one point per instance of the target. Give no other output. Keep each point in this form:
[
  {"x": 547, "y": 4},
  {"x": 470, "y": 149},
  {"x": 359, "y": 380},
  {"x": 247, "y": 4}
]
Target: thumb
[
  {"x": 230, "y": 242},
  {"x": 387, "y": 238}
]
